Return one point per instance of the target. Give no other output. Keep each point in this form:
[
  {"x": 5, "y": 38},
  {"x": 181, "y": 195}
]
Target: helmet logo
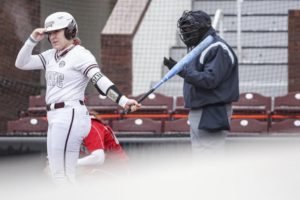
[
  {"x": 49, "y": 24},
  {"x": 62, "y": 63}
]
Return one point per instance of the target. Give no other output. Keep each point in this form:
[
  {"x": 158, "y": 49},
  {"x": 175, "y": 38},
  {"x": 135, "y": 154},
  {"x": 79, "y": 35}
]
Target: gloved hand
[{"x": 170, "y": 63}]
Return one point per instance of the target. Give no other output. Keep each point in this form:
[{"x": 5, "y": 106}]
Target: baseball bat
[{"x": 178, "y": 67}]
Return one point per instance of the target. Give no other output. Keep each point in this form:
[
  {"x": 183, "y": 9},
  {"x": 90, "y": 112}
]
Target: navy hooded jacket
[{"x": 211, "y": 78}]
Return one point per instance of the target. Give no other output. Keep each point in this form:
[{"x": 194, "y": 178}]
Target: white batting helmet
[{"x": 62, "y": 20}]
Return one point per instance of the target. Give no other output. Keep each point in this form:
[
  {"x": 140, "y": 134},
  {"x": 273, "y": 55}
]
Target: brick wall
[
  {"x": 294, "y": 51},
  {"x": 18, "y": 18},
  {"x": 116, "y": 56},
  {"x": 116, "y": 42}
]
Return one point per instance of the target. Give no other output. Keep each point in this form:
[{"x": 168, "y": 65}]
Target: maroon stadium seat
[
  {"x": 287, "y": 106},
  {"x": 101, "y": 104},
  {"x": 179, "y": 110},
  {"x": 28, "y": 125},
  {"x": 176, "y": 126},
  {"x": 139, "y": 125},
  {"x": 37, "y": 106},
  {"x": 155, "y": 106},
  {"x": 285, "y": 126},
  {"x": 248, "y": 126},
  {"x": 252, "y": 105},
  {"x": 105, "y": 108}
]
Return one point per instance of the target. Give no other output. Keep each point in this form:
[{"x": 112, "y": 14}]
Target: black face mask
[
  {"x": 193, "y": 38},
  {"x": 193, "y": 26}
]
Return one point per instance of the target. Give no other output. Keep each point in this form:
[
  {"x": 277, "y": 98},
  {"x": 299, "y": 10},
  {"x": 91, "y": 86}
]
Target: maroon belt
[{"x": 60, "y": 105}]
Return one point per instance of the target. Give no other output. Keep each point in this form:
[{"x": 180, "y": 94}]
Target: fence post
[{"x": 239, "y": 29}]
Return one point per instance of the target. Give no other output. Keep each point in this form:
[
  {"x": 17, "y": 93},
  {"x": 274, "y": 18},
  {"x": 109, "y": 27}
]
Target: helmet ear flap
[{"x": 71, "y": 30}]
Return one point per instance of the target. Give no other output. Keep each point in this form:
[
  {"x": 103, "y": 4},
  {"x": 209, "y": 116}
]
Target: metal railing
[{"x": 239, "y": 29}]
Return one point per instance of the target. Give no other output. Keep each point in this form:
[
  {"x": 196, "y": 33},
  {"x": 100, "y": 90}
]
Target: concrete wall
[{"x": 153, "y": 40}]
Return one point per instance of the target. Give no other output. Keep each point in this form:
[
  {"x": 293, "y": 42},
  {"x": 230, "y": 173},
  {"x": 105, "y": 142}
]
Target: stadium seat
[
  {"x": 177, "y": 126},
  {"x": 105, "y": 107},
  {"x": 37, "y": 106},
  {"x": 28, "y": 125},
  {"x": 287, "y": 106},
  {"x": 252, "y": 106},
  {"x": 179, "y": 110},
  {"x": 155, "y": 106},
  {"x": 285, "y": 126},
  {"x": 139, "y": 125},
  {"x": 248, "y": 126}
]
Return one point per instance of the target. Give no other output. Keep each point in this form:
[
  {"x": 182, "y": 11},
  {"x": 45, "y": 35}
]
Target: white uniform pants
[{"x": 66, "y": 130}]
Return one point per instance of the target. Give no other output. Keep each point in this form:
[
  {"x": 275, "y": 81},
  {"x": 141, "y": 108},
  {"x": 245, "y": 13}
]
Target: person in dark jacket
[{"x": 211, "y": 82}]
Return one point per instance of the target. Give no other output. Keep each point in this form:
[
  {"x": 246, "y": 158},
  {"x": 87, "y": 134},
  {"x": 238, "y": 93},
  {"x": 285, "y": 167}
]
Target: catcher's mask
[
  {"x": 193, "y": 25},
  {"x": 62, "y": 20}
]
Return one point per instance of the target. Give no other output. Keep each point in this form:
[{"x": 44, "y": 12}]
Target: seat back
[
  {"x": 179, "y": 110},
  {"x": 285, "y": 126},
  {"x": 287, "y": 104},
  {"x": 155, "y": 106},
  {"x": 252, "y": 103},
  {"x": 180, "y": 126},
  {"x": 37, "y": 106},
  {"x": 28, "y": 125},
  {"x": 101, "y": 104},
  {"x": 248, "y": 126},
  {"x": 139, "y": 125}
]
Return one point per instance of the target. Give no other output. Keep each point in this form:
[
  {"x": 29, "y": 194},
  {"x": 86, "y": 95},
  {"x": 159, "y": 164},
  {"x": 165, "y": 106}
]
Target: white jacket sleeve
[
  {"x": 97, "y": 157},
  {"x": 25, "y": 60}
]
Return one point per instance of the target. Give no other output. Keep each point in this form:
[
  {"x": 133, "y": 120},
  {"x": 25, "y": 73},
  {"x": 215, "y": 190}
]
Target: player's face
[{"x": 58, "y": 39}]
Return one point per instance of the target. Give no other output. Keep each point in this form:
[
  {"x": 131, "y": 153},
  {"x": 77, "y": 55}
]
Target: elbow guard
[
  {"x": 114, "y": 94},
  {"x": 106, "y": 87}
]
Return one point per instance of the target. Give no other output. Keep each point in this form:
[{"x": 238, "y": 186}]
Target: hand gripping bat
[{"x": 178, "y": 67}]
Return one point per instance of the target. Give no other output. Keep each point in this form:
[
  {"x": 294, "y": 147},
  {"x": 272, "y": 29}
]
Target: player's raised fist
[{"x": 38, "y": 34}]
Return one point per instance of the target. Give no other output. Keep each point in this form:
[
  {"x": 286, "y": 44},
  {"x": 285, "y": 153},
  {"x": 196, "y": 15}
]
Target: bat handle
[{"x": 126, "y": 111}]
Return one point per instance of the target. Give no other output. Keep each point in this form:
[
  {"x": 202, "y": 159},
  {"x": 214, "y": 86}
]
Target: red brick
[{"x": 294, "y": 50}]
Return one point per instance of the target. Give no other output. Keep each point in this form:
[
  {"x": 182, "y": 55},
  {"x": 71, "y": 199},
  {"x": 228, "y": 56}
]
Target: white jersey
[{"x": 66, "y": 71}]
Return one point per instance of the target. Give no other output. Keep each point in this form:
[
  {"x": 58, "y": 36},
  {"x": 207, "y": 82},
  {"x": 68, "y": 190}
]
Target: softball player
[
  {"x": 69, "y": 67},
  {"x": 100, "y": 144}
]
